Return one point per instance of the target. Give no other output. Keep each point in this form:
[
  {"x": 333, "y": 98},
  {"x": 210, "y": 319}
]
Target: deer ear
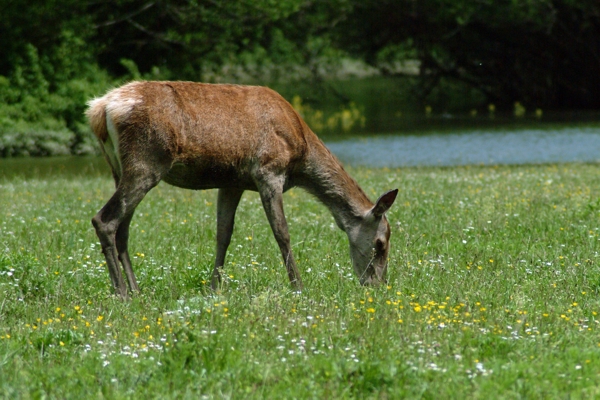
[{"x": 384, "y": 203}]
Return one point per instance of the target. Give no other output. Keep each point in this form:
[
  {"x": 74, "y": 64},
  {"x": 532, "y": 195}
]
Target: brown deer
[{"x": 234, "y": 138}]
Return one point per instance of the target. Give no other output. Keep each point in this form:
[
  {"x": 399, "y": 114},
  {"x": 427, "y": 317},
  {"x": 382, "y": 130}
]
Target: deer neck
[{"x": 326, "y": 179}]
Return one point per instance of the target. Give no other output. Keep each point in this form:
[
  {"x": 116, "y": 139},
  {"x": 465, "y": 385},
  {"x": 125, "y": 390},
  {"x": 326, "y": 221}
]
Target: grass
[{"x": 493, "y": 292}]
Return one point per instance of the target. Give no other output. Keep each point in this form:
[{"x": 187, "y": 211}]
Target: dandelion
[
  {"x": 370, "y": 310},
  {"x": 100, "y": 318}
]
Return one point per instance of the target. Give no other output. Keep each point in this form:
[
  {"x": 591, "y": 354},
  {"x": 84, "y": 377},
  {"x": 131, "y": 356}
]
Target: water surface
[{"x": 483, "y": 147}]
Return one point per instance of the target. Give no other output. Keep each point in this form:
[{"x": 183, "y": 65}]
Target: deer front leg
[
  {"x": 272, "y": 200},
  {"x": 227, "y": 202}
]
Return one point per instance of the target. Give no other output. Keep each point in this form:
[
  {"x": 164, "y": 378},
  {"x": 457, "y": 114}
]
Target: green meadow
[{"x": 493, "y": 291}]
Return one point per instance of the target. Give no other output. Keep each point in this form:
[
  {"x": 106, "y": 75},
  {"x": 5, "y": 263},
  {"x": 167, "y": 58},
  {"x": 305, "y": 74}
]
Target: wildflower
[
  {"x": 100, "y": 318},
  {"x": 370, "y": 310}
]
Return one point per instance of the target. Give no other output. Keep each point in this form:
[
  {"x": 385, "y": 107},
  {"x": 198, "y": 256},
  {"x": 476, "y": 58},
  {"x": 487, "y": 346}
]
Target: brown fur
[{"x": 203, "y": 136}]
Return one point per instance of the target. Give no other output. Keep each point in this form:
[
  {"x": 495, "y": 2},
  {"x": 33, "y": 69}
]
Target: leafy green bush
[
  {"x": 36, "y": 143},
  {"x": 343, "y": 120},
  {"x": 43, "y": 99}
]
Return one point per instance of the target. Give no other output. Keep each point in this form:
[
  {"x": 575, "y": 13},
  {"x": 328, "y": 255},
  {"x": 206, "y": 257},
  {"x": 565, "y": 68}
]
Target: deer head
[{"x": 370, "y": 242}]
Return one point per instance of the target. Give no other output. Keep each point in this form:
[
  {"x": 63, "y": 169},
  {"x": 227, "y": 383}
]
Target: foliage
[
  {"x": 341, "y": 121},
  {"x": 544, "y": 53},
  {"x": 493, "y": 291},
  {"x": 43, "y": 97}
]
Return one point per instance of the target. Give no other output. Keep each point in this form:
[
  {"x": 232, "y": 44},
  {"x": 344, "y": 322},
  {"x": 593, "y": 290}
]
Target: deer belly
[{"x": 212, "y": 176}]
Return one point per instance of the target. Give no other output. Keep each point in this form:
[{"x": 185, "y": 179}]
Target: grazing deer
[{"x": 234, "y": 138}]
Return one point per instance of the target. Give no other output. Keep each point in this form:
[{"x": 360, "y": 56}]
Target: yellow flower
[
  {"x": 100, "y": 318},
  {"x": 370, "y": 310}
]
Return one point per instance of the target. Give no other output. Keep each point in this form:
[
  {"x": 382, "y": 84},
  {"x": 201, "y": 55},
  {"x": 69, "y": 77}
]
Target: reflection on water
[
  {"x": 46, "y": 167},
  {"x": 566, "y": 144}
]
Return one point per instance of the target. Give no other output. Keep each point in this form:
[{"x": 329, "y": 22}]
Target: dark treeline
[{"x": 56, "y": 54}]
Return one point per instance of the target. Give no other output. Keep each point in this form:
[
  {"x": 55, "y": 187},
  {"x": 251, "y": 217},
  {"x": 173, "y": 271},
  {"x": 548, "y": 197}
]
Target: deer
[{"x": 233, "y": 138}]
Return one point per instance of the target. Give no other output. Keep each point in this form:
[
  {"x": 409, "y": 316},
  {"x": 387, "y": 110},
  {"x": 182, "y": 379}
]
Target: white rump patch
[
  {"x": 111, "y": 146},
  {"x": 121, "y": 101}
]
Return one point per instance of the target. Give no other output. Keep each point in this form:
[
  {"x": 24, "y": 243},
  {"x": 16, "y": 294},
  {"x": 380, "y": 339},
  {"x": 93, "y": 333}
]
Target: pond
[
  {"x": 545, "y": 144},
  {"x": 448, "y": 145}
]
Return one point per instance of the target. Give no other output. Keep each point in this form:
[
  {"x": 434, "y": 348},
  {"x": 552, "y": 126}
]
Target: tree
[{"x": 544, "y": 53}]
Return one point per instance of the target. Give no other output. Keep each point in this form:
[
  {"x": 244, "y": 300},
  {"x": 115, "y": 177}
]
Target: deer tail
[
  {"x": 96, "y": 114},
  {"x": 105, "y": 130}
]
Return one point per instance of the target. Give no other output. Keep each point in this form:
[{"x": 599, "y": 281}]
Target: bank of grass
[{"x": 493, "y": 292}]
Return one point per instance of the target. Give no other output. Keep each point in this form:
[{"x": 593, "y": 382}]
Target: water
[
  {"x": 540, "y": 143},
  {"x": 481, "y": 147}
]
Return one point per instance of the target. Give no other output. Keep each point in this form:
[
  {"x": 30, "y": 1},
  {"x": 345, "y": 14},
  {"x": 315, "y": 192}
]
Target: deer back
[{"x": 200, "y": 130}]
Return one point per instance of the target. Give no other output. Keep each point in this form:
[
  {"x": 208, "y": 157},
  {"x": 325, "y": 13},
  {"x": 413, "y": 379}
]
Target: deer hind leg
[
  {"x": 112, "y": 227},
  {"x": 122, "y": 238},
  {"x": 271, "y": 195},
  {"x": 227, "y": 202}
]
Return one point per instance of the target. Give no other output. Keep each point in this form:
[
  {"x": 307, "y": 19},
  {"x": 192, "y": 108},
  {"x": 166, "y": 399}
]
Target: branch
[
  {"x": 126, "y": 17},
  {"x": 155, "y": 35}
]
